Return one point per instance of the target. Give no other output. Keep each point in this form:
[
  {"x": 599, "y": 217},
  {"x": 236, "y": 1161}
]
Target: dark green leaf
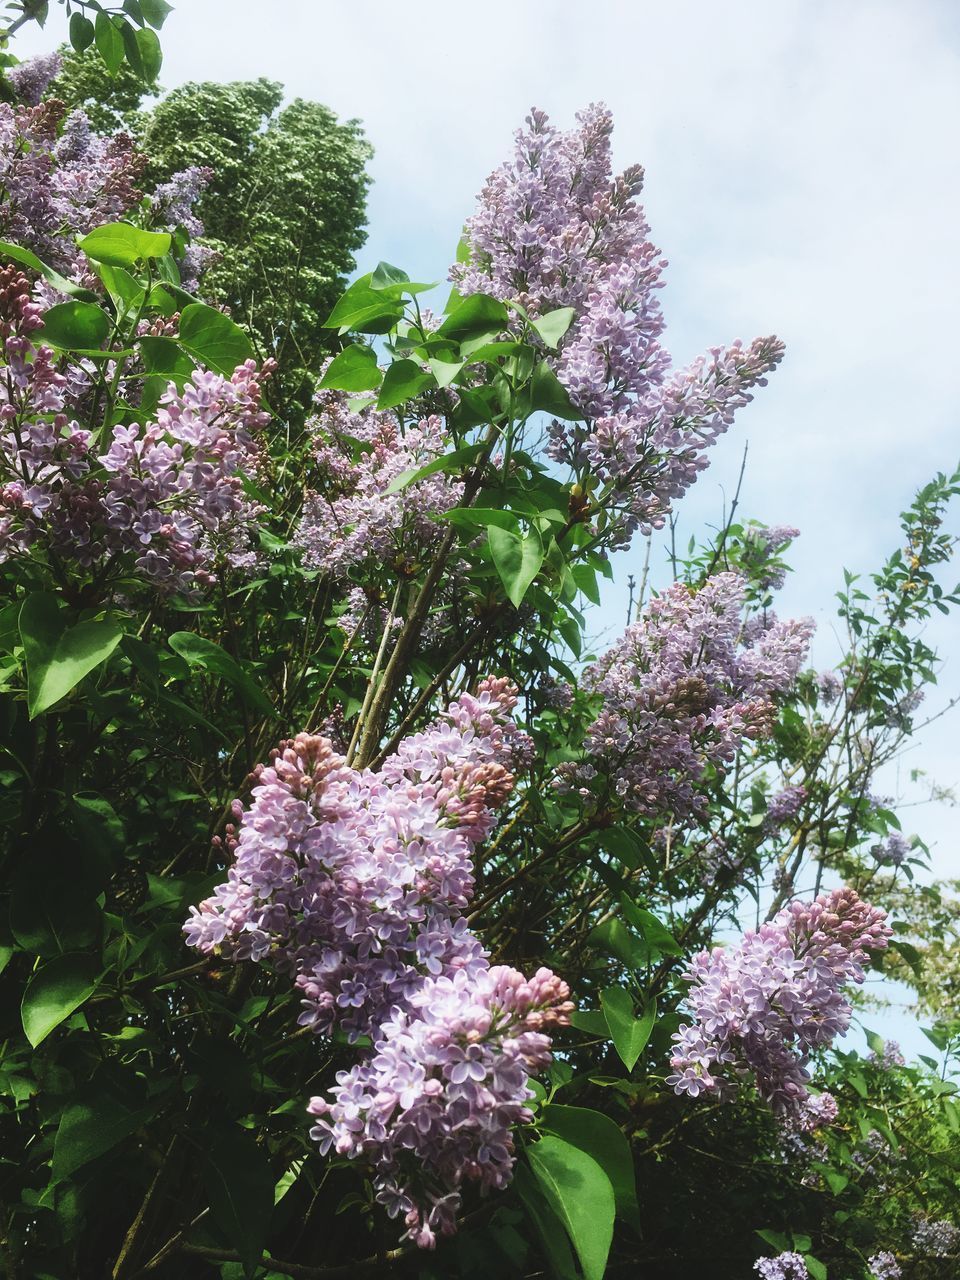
[
  {"x": 354, "y": 369},
  {"x": 403, "y": 380},
  {"x": 240, "y": 1184},
  {"x": 76, "y": 326},
  {"x": 55, "y": 991},
  {"x": 206, "y": 654},
  {"x": 81, "y": 32},
  {"x": 549, "y": 1226},
  {"x": 166, "y": 356},
  {"x": 59, "y": 655},
  {"x": 213, "y": 338},
  {"x": 91, "y": 1127},
  {"x": 592, "y": 1021},
  {"x": 580, "y": 1193},
  {"x": 597, "y": 1135}
]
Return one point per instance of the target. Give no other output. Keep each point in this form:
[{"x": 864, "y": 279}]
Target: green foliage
[{"x": 284, "y": 208}]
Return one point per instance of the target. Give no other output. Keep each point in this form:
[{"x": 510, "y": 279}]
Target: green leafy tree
[
  {"x": 110, "y": 102},
  {"x": 284, "y": 207}
]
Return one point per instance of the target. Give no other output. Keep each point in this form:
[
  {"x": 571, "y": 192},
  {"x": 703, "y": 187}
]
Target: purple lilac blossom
[
  {"x": 936, "y": 1239},
  {"x": 349, "y": 519},
  {"x": 165, "y": 501},
  {"x": 59, "y": 183},
  {"x": 354, "y": 883},
  {"x": 892, "y": 851},
  {"x": 762, "y": 545},
  {"x": 681, "y": 690},
  {"x": 173, "y": 205},
  {"x": 785, "y": 1266},
  {"x": 31, "y": 79},
  {"x": 892, "y": 1056},
  {"x": 554, "y": 228},
  {"x": 785, "y": 806},
  {"x": 829, "y": 685},
  {"x": 760, "y": 1009},
  {"x": 884, "y": 1266}
]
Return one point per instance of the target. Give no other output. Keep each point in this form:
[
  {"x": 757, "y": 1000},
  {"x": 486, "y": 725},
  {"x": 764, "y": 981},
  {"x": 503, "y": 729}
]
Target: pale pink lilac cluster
[
  {"x": 890, "y": 1057},
  {"x": 164, "y": 502},
  {"x": 554, "y": 228},
  {"x": 884, "y": 1266},
  {"x": 354, "y": 883},
  {"x": 785, "y": 1266},
  {"x": 681, "y": 690},
  {"x": 762, "y": 1008},
  {"x": 349, "y": 519}
]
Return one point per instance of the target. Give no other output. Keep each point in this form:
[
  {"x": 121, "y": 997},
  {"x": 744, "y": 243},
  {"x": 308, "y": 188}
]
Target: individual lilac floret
[
  {"x": 349, "y": 519},
  {"x": 936, "y": 1239},
  {"x": 761, "y": 1009},
  {"x": 884, "y": 1266},
  {"x": 554, "y": 228},
  {"x": 893, "y": 851},
  {"x": 434, "y": 1104},
  {"x": 31, "y": 78},
  {"x": 785, "y": 1266},
  {"x": 680, "y": 692}
]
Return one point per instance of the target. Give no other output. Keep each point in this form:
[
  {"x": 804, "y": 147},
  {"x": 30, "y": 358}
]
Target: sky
[{"x": 802, "y": 178}]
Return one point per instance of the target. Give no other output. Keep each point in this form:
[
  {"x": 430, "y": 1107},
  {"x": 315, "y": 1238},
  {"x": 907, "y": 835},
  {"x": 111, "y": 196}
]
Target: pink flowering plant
[{"x": 359, "y": 920}]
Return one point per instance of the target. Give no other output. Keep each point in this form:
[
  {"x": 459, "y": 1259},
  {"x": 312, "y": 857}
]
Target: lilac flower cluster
[
  {"x": 829, "y": 685},
  {"x": 354, "y": 883},
  {"x": 31, "y": 79},
  {"x": 892, "y": 851},
  {"x": 936, "y": 1239},
  {"x": 349, "y": 519},
  {"x": 554, "y": 228},
  {"x": 165, "y": 501},
  {"x": 173, "y": 205},
  {"x": 761, "y": 1008},
  {"x": 785, "y": 806},
  {"x": 785, "y": 1266},
  {"x": 681, "y": 690},
  {"x": 762, "y": 546},
  {"x": 60, "y": 182},
  {"x": 892, "y": 1056},
  {"x": 884, "y": 1266}
]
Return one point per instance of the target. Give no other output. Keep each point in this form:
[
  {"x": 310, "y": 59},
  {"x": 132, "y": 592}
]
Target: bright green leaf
[
  {"x": 517, "y": 560},
  {"x": 581, "y": 1195},
  {"x": 119, "y": 244},
  {"x": 109, "y": 42},
  {"x": 403, "y": 380},
  {"x": 629, "y": 1034},
  {"x": 151, "y": 55},
  {"x": 475, "y": 317},
  {"x": 28, "y": 259},
  {"x": 155, "y": 11},
  {"x": 81, "y": 32},
  {"x": 554, "y": 325},
  {"x": 212, "y": 338},
  {"x": 354, "y": 369},
  {"x": 55, "y": 991},
  {"x": 452, "y": 463},
  {"x": 601, "y": 1138}
]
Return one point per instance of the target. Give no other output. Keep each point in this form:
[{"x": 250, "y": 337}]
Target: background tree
[{"x": 284, "y": 208}]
